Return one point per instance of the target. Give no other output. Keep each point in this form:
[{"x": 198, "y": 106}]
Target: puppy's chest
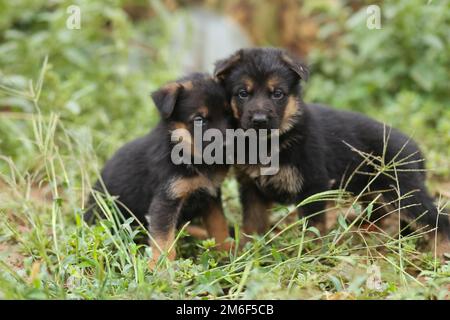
[{"x": 284, "y": 186}]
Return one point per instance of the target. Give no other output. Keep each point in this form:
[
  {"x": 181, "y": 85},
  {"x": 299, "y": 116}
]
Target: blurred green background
[{"x": 98, "y": 78}]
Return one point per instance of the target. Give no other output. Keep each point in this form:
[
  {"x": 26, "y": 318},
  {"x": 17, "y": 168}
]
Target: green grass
[
  {"x": 59, "y": 256},
  {"x": 66, "y": 105}
]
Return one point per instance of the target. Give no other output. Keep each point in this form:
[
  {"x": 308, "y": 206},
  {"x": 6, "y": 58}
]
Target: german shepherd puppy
[
  {"x": 320, "y": 148},
  {"x": 157, "y": 191}
]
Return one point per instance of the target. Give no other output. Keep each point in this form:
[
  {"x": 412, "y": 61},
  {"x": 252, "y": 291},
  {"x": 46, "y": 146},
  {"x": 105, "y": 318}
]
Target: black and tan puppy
[
  {"x": 318, "y": 145},
  {"x": 158, "y": 192}
]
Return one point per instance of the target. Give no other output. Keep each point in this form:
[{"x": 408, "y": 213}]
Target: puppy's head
[
  {"x": 264, "y": 87},
  {"x": 195, "y": 100}
]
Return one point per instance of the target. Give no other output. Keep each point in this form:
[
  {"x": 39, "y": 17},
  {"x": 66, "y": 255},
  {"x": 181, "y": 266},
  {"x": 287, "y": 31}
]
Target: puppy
[
  {"x": 158, "y": 192},
  {"x": 320, "y": 148}
]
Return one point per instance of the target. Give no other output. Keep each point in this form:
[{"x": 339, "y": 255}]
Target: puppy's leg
[
  {"x": 255, "y": 210},
  {"x": 197, "y": 232},
  {"x": 216, "y": 224},
  {"x": 316, "y": 220},
  {"x": 378, "y": 214},
  {"x": 421, "y": 211},
  {"x": 440, "y": 243},
  {"x": 162, "y": 219},
  {"x": 314, "y": 211},
  {"x": 420, "y": 208}
]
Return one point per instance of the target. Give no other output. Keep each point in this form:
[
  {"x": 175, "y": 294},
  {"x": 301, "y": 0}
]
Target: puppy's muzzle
[{"x": 259, "y": 121}]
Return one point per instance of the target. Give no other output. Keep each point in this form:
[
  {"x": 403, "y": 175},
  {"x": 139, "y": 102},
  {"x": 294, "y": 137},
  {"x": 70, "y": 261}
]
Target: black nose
[{"x": 260, "y": 120}]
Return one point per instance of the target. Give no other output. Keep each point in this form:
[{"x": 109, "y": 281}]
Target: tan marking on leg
[
  {"x": 161, "y": 244},
  {"x": 182, "y": 187},
  {"x": 197, "y": 232},
  {"x": 289, "y": 112},
  {"x": 217, "y": 227},
  {"x": 256, "y": 220}
]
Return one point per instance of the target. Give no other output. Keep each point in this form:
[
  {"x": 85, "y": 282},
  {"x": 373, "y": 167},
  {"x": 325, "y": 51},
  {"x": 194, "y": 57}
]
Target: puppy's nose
[{"x": 260, "y": 120}]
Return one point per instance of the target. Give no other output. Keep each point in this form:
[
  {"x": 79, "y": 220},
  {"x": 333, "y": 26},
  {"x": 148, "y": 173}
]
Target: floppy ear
[
  {"x": 166, "y": 98},
  {"x": 296, "y": 65},
  {"x": 222, "y": 67}
]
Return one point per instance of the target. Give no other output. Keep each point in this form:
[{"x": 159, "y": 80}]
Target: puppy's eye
[
  {"x": 243, "y": 94},
  {"x": 277, "y": 94}
]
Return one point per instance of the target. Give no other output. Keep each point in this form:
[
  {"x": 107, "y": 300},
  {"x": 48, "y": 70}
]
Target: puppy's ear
[
  {"x": 222, "y": 67},
  {"x": 296, "y": 65},
  {"x": 166, "y": 98}
]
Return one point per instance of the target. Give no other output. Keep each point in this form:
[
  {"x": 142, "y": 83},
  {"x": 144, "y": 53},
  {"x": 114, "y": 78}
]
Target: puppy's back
[
  {"x": 364, "y": 134},
  {"x": 133, "y": 172}
]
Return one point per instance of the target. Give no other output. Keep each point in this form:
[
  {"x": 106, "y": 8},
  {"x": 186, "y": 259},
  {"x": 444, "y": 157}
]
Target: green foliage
[
  {"x": 98, "y": 78},
  {"x": 398, "y": 74}
]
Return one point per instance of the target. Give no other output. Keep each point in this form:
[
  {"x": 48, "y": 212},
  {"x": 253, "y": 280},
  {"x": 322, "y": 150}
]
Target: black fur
[
  {"x": 141, "y": 172},
  {"x": 318, "y": 141}
]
